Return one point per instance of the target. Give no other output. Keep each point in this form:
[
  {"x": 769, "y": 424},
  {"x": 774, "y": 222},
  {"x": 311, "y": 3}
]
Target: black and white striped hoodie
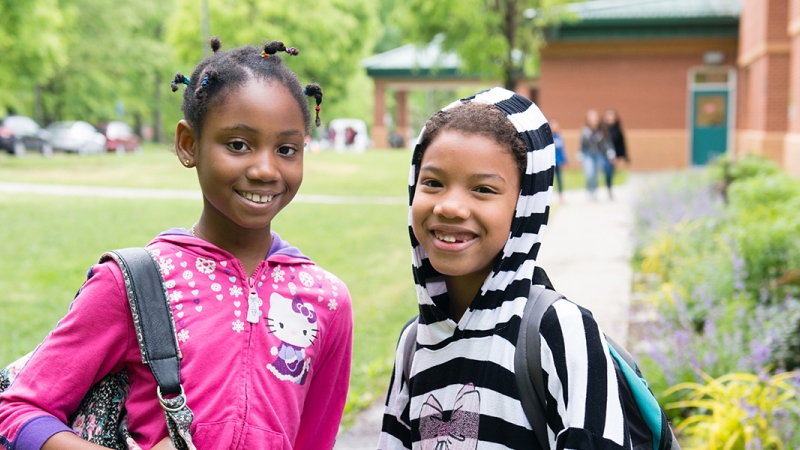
[{"x": 461, "y": 393}]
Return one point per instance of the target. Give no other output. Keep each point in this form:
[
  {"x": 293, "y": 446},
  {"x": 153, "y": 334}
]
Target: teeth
[
  {"x": 445, "y": 237},
  {"x": 257, "y": 198}
]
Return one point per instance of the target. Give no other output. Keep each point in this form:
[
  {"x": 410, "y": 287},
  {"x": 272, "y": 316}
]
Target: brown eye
[{"x": 237, "y": 146}]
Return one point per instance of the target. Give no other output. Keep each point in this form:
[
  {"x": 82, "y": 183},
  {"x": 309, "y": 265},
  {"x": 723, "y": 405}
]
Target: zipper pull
[{"x": 253, "y": 304}]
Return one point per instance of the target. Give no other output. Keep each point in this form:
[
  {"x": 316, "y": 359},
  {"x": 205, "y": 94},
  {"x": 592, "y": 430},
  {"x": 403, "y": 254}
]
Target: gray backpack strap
[
  {"x": 528, "y": 361},
  {"x": 409, "y": 346},
  {"x": 155, "y": 329}
]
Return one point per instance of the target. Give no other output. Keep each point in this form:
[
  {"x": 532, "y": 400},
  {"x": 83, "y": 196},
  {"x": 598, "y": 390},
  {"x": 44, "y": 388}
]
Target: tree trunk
[
  {"x": 38, "y": 105},
  {"x": 158, "y": 125},
  {"x": 510, "y": 32}
]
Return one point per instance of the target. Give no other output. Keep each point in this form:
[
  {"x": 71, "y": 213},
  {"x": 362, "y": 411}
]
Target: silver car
[{"x": 78, "y": 136}]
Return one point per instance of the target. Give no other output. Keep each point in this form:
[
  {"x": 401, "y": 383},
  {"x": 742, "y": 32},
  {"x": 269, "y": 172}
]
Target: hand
[{"x": 164, "y": 444}]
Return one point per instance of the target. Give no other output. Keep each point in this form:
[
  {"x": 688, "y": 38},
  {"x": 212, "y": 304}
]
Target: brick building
[{"x": 691, "y": 79}]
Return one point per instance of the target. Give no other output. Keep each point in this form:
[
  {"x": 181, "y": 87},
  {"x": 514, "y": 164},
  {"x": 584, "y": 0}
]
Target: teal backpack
[{"x": 648, "y": 425}]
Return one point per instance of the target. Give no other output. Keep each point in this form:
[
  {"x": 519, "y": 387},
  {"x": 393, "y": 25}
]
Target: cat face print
[{"x": 292, "y": 320}]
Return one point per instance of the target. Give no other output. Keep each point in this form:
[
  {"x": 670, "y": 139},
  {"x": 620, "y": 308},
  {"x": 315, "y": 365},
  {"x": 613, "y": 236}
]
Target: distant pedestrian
[
  {"x": 617, "y": 138},
  {"x": 614, "y": 127},
  {"x": 594, "y": 153},
  {"x": 561, "y": 157}
]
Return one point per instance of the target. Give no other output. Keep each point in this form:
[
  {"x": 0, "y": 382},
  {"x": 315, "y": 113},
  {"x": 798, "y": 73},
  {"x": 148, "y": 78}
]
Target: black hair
[
  {"x": 215, "y": 76},
  {"x": 476, "y": 118}
]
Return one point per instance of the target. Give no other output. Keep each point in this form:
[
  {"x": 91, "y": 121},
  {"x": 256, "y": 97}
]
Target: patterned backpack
[{"x": 101, "y": 416}]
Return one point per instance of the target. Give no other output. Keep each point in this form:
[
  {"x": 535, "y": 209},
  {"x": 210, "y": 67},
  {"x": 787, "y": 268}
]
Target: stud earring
[{"x": 186, "y": 163}]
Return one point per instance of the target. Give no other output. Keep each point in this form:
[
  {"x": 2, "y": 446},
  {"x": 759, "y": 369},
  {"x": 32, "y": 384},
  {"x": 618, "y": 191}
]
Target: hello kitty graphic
[{"x": 294, "y": 322}]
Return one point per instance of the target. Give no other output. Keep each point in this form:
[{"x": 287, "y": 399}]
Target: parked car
[
  {"x": 120, "y": 138},
  {"x": 20, "y": 133},
  {"x": 78, "y": 136}
]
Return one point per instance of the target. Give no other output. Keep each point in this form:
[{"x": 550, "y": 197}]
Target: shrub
[{"x": 739, "y": 411}]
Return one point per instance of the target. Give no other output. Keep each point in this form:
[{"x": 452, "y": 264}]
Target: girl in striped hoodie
[{"x": 480, "y": 187}]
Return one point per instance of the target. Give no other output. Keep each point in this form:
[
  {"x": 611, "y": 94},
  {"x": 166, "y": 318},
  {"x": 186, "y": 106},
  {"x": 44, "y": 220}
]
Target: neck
[
  {"x": 250, "y": 246},
  {"x": 462, "y": 291}
]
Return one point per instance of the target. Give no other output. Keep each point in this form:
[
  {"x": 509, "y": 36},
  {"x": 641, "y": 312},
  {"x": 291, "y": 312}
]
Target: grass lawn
[{"x": 48, "y": 243}]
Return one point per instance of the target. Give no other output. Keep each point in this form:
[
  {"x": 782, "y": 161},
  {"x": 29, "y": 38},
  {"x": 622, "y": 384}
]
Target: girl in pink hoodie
[{"x": 265, "y": 334}]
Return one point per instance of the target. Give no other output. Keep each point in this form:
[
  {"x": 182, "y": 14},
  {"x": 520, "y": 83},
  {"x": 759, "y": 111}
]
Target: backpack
[
  {"x": 646, "y": 421},
  {"x": 101, "y": 416}
]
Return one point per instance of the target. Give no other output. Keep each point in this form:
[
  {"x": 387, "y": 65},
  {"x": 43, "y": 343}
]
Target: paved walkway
[
  {"x": 191, "y": 194},
  {"x": 586, "y": 253}
]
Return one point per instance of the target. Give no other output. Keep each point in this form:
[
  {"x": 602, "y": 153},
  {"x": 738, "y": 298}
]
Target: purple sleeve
[
  {"x": 37, "y": 431},
  {"x": 94, "y": 339}
]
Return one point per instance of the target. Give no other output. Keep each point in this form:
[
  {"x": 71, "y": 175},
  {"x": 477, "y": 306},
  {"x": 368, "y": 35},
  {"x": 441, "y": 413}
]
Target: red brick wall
[
  {"x": 794, "y": 67},
  {"x": 791, "y": 149},
  {"x": 764, "y": 61},
  {"x": 646, "y": 81}
]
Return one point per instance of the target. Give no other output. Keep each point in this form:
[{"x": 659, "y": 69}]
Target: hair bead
[{"x": 314, "y": 90}]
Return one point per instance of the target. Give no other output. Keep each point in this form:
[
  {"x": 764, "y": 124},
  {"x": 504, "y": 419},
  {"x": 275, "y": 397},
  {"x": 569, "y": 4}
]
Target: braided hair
[{"x": 216, "y": 76}]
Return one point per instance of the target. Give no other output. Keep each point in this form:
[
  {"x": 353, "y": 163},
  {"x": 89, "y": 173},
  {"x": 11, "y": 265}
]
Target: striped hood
[{"x": 511, "y": 276}]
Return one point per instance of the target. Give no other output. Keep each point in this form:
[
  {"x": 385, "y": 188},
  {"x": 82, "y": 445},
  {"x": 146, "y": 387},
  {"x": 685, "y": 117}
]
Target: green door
[{"x": 710, "y": 127}]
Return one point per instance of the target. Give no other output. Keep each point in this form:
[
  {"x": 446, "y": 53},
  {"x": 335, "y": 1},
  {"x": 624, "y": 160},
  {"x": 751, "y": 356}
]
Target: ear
[{"x": 185, "y": 143}]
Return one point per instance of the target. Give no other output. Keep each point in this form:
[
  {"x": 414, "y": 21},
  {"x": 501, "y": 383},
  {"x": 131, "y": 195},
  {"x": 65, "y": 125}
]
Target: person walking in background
[
  {"x": 617, "y": 140},
  {"x": 595, "y": 146},
  {"x": 615, "y": 134},
  {"x": 561, "y": 157}
]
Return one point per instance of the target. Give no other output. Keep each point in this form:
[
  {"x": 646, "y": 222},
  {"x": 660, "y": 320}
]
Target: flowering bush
[{"x": 718, "y": 256}]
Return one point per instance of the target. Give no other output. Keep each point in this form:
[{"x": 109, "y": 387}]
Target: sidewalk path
[
  {"x": 191, "y": 194},
  {"x": 587, "y": 250},
  {"x": 586, "y": 253}
]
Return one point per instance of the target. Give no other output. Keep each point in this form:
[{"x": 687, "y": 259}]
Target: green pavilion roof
[
  {"x": 643, "y": 19},
  {"x": 414, "y": 61}
]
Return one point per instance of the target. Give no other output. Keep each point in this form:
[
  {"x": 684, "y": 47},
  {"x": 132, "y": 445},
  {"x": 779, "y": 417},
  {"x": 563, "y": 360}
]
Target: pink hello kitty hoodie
[{"x": 274, "y": 377}]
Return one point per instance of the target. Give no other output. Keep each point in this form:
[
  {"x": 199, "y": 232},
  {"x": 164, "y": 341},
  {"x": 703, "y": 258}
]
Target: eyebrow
[
  {"x": 249, "y": 129},
  {"x": 477, "y": 176}
]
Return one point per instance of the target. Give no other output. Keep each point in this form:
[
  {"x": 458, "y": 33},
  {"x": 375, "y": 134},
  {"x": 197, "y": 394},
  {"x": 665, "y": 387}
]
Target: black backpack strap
[
  {"x": 155, "y": 330},
  {"x": 409, "y": 346},
  {"x": 528, "y": 361},
  {"x": 151, "y": 316}
]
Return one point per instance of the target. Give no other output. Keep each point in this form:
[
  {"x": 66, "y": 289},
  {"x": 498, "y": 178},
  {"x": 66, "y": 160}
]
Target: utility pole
[{"x": 205, "y": 29}]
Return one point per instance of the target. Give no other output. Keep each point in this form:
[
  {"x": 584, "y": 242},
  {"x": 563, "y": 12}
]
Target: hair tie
[
  {"x": 178, "y": 79},
  {"x": 204, "y": 82},
  {"x": 216, "y": 44},
  {"x": 305, "y": 91},
  {"x": 273, "y": 47}
]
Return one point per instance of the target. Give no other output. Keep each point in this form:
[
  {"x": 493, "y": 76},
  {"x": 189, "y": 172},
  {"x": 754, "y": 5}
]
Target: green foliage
[
  {"x": 492, "y": 38},
  {"x": 332, "y": 36},
  {"x": 32, "y": 48},
  {"x": 739, "y": 411},
  {"x": 724, "y": 279}
]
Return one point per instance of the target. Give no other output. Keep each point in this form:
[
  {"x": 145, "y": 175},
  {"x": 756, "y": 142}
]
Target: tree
[
  {"x": 332, "y": 36},
  {"x": 112, "y": 52},
  {"x": 496, "y": 38},
  {"x": 30, "y": 46}
]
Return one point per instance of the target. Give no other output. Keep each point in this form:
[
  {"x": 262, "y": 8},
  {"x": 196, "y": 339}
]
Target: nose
[
  {"x": 263, "y": 167},
  {"x": 452, "y": 205}
]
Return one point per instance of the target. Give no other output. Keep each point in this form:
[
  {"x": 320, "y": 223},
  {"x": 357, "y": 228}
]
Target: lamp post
[{"x": 204, "y": 27}]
